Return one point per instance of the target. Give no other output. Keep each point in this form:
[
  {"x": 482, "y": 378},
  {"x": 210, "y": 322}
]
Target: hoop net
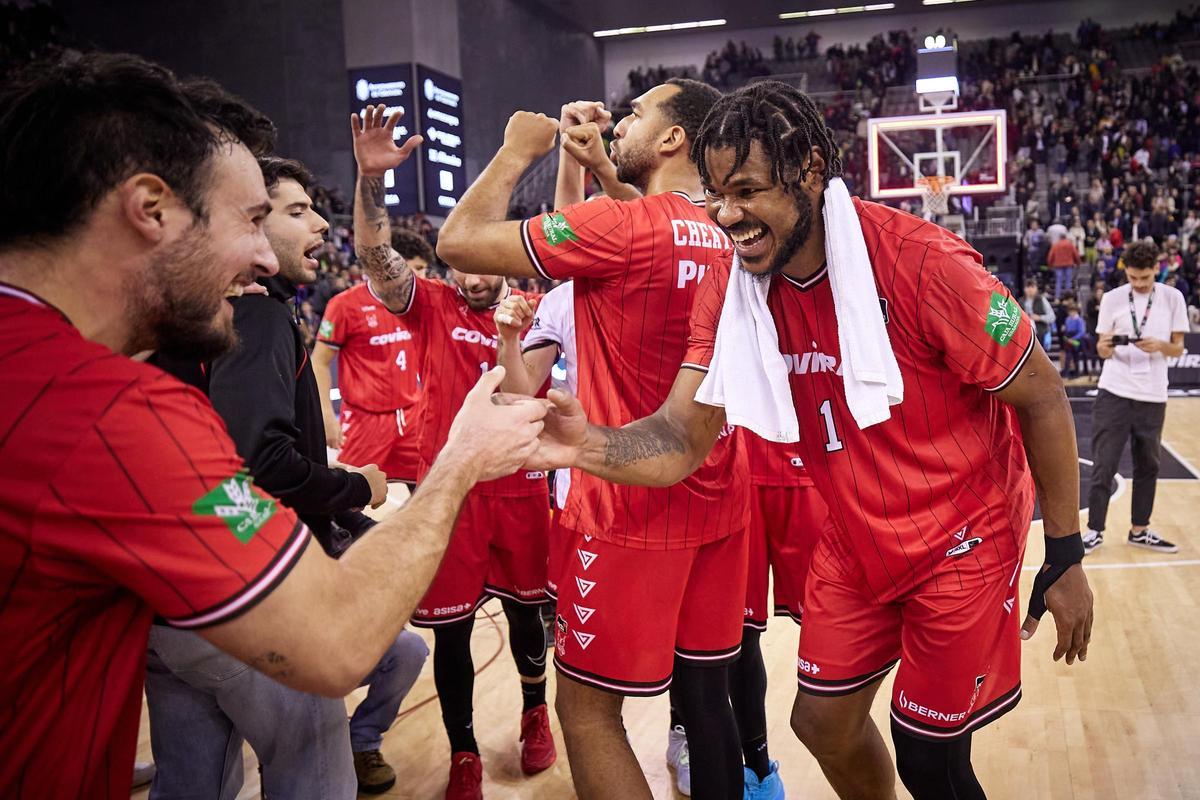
[{"x": 934, "y": 199}]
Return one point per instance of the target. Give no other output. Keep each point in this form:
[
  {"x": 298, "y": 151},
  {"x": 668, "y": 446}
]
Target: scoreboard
[{"x": 434, "y": 178}]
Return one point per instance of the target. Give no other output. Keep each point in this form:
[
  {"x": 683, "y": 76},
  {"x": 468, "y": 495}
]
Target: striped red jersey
[
  {"x": 940, "y": 494},
  {"x": 377, "y": 357},
  {"x": 636, "y": 266},
  {"x": 458, "y": 344},
  {"x": 774, "y": 463},
  {"x": 121, "y": 496}
]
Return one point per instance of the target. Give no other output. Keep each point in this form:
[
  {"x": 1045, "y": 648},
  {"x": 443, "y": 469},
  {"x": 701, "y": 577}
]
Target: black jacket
[{"x": 265, "y": 391}]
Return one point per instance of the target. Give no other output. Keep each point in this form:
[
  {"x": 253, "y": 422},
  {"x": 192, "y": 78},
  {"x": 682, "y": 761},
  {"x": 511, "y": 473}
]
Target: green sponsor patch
[
  {"x": 234, "y": 502},
  {"x": 1003, "y": 316},
  {"x": 557, "y": 230},
  {"x": 326, "y": 328}
]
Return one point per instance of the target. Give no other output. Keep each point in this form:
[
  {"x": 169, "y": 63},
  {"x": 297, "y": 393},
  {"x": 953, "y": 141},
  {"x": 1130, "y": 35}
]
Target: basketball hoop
[{"x": 934, "y": 199}]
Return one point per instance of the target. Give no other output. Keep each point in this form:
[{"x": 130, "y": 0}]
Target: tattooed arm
[
  {"x": 376, "y": 151},
  {"x": 658, "y": 450}
]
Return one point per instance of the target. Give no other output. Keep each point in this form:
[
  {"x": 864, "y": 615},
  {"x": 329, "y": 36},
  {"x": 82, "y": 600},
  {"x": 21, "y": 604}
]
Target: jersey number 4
[
  {"x": 832, "y": 442},
  {"x": 402, "y": 360}
]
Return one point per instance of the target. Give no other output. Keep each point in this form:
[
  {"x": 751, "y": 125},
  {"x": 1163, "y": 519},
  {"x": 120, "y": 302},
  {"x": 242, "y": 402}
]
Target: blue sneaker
[{"x": 769, "y": 788}]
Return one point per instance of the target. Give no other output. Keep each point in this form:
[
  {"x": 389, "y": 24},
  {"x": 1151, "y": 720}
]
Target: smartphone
[{"x": 1120, "y": 339}]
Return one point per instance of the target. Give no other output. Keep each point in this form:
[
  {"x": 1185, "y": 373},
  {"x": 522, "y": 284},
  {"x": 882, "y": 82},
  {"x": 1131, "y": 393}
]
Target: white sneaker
[
  {"x": 1091, "y": 540},
  {"x": 678, "y": 760}
]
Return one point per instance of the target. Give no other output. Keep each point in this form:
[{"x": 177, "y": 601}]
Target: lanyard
[{"x": 1137, "y": 328}]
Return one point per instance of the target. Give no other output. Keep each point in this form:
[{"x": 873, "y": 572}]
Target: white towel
[
  {"x": 870, "y": 374},
  {"x": 748, "y": 374}
]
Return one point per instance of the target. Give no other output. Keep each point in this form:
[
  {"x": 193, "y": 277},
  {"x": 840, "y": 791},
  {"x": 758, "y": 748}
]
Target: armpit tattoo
[{"x": 628, "y": 446}]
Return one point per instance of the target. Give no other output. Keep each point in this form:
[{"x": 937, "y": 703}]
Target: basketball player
[
  {"x": 651, "y": 587},
  {"x": 121, "y": 495},
  {"x": 930, "y": 508},
  {"x": 377, "y": 375},
  {"x": 499, "y": 544}
]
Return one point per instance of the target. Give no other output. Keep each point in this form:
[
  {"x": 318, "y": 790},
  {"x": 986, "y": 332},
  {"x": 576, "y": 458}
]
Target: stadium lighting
[
  {"x": 942, "y": 2},
  {"x": 824, "y": 12},
  {"x": 674, "y": 26},
  {"x": 935, "y": 42}
]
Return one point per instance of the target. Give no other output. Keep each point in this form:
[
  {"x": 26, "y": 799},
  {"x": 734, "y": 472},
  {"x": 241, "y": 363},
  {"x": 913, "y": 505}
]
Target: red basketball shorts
[
  {"x": 959, "y": 649},
  {"x": 498, "y": 549},
  {"x": 785, "y": 524},
  {"x": 562, "y": 544},
  {"x": 387, "y": 439},
  {"x": 625, "y": 615}
]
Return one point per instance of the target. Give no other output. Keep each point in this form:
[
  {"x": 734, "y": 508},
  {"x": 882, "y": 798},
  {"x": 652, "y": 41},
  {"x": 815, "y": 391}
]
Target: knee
[
  {"x": 408, "y": 652},
  {"x": 580, "y": 707},
  {"x": 822, "y": 728}
]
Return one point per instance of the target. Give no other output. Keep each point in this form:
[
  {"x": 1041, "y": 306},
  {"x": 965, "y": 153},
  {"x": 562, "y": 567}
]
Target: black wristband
[{"x": 1062, "y": 553}]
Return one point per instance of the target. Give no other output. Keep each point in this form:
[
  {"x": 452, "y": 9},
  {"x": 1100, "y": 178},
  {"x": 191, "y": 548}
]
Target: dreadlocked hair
[{"x": 783, "y": 119}]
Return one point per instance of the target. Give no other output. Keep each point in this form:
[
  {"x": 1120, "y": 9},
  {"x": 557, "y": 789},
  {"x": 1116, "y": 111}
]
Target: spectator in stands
[
  {"x": 1075, "y": 342},
  {"x": 1063, "y": 259},
  {"x": 1035, "y": 245},
  {"x": 1040, "y": 311}
]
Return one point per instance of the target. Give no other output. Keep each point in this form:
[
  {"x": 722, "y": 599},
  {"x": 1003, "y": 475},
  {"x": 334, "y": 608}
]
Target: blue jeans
[
  {"x": 203, "y": 703},
  {"x": 1064, "y": 278}
]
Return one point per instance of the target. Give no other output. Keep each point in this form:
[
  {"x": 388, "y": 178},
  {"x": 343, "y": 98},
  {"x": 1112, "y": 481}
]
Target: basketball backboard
[{"x": 967, "y": 147}]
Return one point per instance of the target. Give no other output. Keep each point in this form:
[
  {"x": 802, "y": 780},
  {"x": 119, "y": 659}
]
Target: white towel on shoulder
[
  {"x": 749, "y": 376},
  {"x": 870, "y": 373}
]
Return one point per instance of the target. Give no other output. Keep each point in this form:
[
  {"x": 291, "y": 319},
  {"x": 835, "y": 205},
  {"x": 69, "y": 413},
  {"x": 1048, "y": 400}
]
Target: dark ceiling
[{"x": 589, "y": 15}]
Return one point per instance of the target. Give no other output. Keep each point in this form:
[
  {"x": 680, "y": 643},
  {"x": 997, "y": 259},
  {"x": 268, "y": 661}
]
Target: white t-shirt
[
  {"x": 554, "y": 325},
  {"x": 1131, "y": 373}
]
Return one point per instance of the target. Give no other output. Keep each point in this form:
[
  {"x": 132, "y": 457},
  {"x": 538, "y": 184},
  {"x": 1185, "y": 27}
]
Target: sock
[
  {"x": 454, "y": 677},
  {"x": 532, "y": 695},
  {"x": 676, "y": 717},
  {"x": 748, "y": 696},
  {"x": 754, "y": 751}
]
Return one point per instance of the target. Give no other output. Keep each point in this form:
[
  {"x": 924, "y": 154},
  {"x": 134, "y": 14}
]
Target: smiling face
[
  {"x": 177, "y": 303},
  {"x": 296, "y": 231},
  {"x": 768, "y": 222}
]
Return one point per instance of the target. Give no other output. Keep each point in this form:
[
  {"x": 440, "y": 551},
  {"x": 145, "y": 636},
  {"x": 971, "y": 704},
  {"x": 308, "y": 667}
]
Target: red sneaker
[
  {"x": 537, "y": 744},
  {"x": 466, "y": 777}
]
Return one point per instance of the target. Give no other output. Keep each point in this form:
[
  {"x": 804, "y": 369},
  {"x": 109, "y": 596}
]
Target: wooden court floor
[{"x": 1124, "y": 725}]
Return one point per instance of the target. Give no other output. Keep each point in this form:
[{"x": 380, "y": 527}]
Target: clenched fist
[
  {"x": 582, "y": 111},
  {"x": 513, "y": 315},
  {"x": 529, "y": 136},
  {"x": 585, "y": 145}
]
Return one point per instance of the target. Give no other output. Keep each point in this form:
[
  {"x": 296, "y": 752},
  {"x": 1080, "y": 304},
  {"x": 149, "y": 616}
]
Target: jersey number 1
[{"x": 832, "y": 442}]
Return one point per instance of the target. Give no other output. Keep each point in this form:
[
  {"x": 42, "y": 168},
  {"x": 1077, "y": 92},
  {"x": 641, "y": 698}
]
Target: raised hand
[
  {"x": 585, "y": 144},
  {"x": 374, "y": 143},
  {"x": 582, "y": 111},
  {"x": 529, "y": 136},
  {"x": 513, "y": 315}
]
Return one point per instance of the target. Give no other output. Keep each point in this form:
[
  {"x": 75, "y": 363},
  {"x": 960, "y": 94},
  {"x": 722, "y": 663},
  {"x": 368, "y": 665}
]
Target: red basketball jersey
[
  {"x": 121, "y": 496},
  {"x": 636, "y": 266},
  {"x": 377, "y": 356},
  {"x": 902, "y": 492},
  {"x": 458, "y": 344},
  {"x": 774, "y": 463}
]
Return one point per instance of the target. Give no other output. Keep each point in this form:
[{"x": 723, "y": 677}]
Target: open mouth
[
  {"x": 310, "y": 255},
  {"x": 750, "y": 242}
]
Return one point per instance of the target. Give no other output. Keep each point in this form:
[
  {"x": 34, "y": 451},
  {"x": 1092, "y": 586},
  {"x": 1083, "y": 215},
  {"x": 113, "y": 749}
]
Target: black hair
[
  {"x": 410, "y": 244},
  {"x": 276, "y": 169},
  {"x": 783, "y": 119},
  {"x": 688, "y": 107},
  {"x": 74, "y": 128},
  {"x": 231, "y": 113},
  {"x": 1142, "y": 254}
]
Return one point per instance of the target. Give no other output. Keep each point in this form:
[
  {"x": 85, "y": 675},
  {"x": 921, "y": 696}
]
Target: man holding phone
[{"x": 1141, "y": 325}]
